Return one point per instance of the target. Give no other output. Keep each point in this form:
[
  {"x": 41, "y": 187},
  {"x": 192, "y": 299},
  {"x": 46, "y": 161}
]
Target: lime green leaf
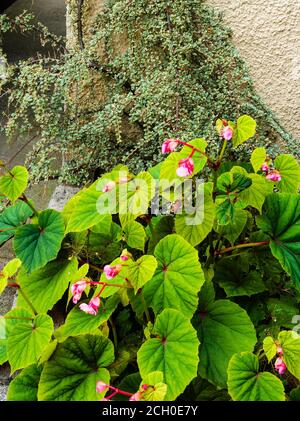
[
  {"x": 85, "y": 215},
  {"x": 246, "y": 383},
  {"x": 178, "y": 277},
  {"x": 104, "y": 226},
  {"x": 27, "y": 340},
  {"x": 290, "y": 344},
  {"x": 48, "y": 351},
  {"x": 135, "y": 235},
  {"x": 47, "y": 285},
  {"x": 244, "y": 129},
  {"x": 11, "y": 218},
  {"x": 141, "y": 271},
  {"x": 8, "y": 271},
  {"x": 234, "y": 228},
  {"x": 219, "y": 125},
  {"x": 3, "y": 353},
  {"x": 289, "y": 170},
  {"x": 14, "y": 183},
  {"x": 25, "y": 386},
  {"x": 281, "y": 220},
  {"x": 35, "y": 245},
  {"x": 174, "y": 352},
  {"x": 258, "y": 157},
  {"x": 136, "y": 195},
  {"x": 195, "y": 228},
  {"x": 157, "y": 389},
  {"x": 80, "y": 323},
  {"x": 270, "y": 347},
  {"x": 225, "y": 329},
  {"x": 74, "y": 369},
  {"x": 170, "y": 165}
]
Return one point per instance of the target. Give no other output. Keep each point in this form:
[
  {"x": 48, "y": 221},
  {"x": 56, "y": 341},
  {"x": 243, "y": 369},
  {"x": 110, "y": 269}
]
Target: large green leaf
[
  {"x": 14, "y": 183},
  {"x": 27, "y": 340},
  {"x": 80, "y": 323},
  {"x": 37, "y": 244},
  {"x": 194, "y": 228},
  {"x": 225, "y": 328},
  {"x": 74, "y": 369},
  {"x": 141, "y": 271},
  {"x": 25, "y": 386},
  {"x": 290, "y": 344},
  {"x": 164, "y": 227},
  {"x": 281, "y": 220},
  {"x": 135, "y": 235},
  {"x": 244, "y": 129},
  {"x": 3, "y": 353},
  {"x": 47, "y": 285},
  {"x": 246, "y": 383},
  {"x": 229, "y": 274},
  {"x": 174, "y": 352},
  {"x": 106, "y": 246},
  {"x": 289, "y": 170},
  {"x": 178, "y": 277},
  {"x": 170, "y": 165},
  {"x": 11, "y": 218}
]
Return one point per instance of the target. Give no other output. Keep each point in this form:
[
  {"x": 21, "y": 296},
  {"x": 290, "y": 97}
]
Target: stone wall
[{"x": 267, "y": 34}]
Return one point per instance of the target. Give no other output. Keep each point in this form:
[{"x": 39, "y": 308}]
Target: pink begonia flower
[
  {"x": 125, "y": 255},
  {"x": 274, "y": 175},
  {"x": 101, "y": 387},
  {"x": 112, "y": 271},
  {"x": 92, "y": 307},
  {"x": 136, "y": 397},
  {"x": 265, "y": 167},
  {"x": 169, "y": 145},
  {"x": 279, "y": 350},
  {"x": 109, "y": 186},
  {"x": 77, "y": 290},
  {"x": 185, "y": 167},
  {"x": 123, "y": 180},
  {"x": 280, "y": 366},
  {"x": 227, "y": 133},
  {"x": 145, "y": 386}
]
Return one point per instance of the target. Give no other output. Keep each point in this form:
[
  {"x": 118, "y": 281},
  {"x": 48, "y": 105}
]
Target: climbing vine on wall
[{"x": 139, "y": 72}]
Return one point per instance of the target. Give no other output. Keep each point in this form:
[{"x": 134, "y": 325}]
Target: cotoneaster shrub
[
  {"x": 168, "y": 285},
  {"x": 95, "y": 105}
]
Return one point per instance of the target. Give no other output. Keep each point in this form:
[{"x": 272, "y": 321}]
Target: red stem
[{"x": 240, "y": 246}]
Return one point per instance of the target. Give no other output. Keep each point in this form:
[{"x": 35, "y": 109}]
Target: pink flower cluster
[
  {"x": 112, "y": 271},
  {"x": 92, "y": 307},
  {"x": 280, "y": 365},
  {"x": 227, "y": 133},
  {"x": 77, "y": 290},
  {"x": 186, "y": 165},
  {"x": 271, "y": 173}
]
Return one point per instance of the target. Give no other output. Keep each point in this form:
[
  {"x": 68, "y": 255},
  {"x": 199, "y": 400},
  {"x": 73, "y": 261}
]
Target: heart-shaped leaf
[
  {"x": 11, "y": 218},
  {"x": 290, "y": 344},
  {"x": 258, "y": 157},
  {"x": 194, "y": 228},
  {"x": 37, "y": 244},
  {"x": 135, "y": 235},
  {"x": 244, "y": 129},
  {"x": 174, "y": 352},
  {"x": 281, "y": 220},
  {"x": 72, "y": 372},
  {"x": 289, "y": 170},
  {"x": 178, "y": 277},
  {"x": 141, "y": 271},
  {"x": 14, "y": 183},
  {"x": 225, "y": 328},
  {"x": 246, "y": 383},
  {"x": 9, "y": 270},
  {"x": 27, "y": 340},
  {"x": 233, "y": 229}
]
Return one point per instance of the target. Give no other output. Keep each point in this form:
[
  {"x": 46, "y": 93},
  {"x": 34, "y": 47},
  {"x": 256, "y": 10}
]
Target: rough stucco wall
[{"x": 267, "y": 34}]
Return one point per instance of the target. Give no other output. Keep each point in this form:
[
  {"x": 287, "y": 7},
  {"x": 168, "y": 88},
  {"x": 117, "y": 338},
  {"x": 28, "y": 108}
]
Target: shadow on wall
[{"x": 52, "y": 13}]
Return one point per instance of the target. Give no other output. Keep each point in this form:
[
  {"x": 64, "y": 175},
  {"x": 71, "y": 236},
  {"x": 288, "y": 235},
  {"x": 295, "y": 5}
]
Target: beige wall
[{"x": 267, "y": 34}]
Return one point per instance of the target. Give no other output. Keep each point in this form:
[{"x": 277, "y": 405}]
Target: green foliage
[
  {"x": 159, "y": 301},
  {"x": 141, "y": 71}
]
